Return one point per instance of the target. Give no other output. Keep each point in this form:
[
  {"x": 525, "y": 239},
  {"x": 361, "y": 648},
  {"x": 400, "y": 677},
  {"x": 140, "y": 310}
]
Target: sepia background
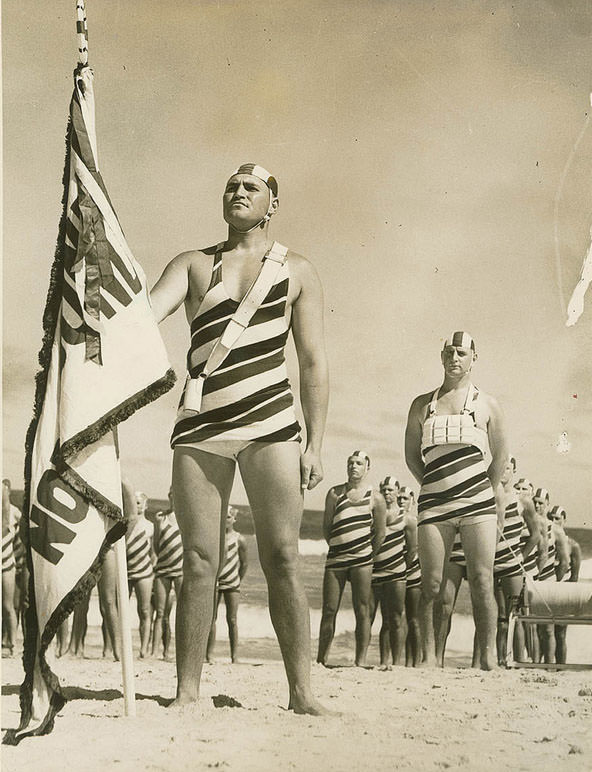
[{"x": 434, "y": 162}]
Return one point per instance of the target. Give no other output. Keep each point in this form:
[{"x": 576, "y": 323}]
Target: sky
[{"x": 434, "y": 163}]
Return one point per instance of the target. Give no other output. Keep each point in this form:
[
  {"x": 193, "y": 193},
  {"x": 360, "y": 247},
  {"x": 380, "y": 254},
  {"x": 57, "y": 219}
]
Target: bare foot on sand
[
  {"x": 184, "y": 702},
  {"x": 385, "y": 668},
  {"x": 309, "y": 706}
]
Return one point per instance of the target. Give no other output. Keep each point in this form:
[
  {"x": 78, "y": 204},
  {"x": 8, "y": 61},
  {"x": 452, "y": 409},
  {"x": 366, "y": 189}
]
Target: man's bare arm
[
  {"x": 378, "y": 521},
  {"x": 308, "y": 331},
  {"x": 532, "y": 523},
  {"x": 498, "y": 443},
  {"x": 243, "y": 557},
  {"x": 330, "y": 500},
  {"x": 171, "y": 289},
  {"x": 413, "y": 433},
  {"x": 575, "y": 560},
  {"x": 562, "y": 552},
  {"x": 410, "y": 540}
]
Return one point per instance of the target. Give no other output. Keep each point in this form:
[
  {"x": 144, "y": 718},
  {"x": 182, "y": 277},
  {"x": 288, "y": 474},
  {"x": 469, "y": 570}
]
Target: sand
[{"x": 455, "y": 718}]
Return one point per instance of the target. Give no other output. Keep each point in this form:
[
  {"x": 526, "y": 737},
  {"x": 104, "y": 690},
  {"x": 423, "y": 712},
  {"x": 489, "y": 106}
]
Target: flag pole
[{"x": 123, "y": 607}]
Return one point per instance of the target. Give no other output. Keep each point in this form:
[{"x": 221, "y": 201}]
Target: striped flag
[{"x": 102, "y": 358}]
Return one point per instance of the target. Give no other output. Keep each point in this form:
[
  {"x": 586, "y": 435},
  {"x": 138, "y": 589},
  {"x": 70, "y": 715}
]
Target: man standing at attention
[
  {"x": 455, "y": 447},
  {"x": 238, "y": 407},
  {"x": 354, "y": 527}
]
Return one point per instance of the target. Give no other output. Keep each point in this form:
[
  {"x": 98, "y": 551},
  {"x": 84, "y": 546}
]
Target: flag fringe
[{"x": 60, "y": 614}]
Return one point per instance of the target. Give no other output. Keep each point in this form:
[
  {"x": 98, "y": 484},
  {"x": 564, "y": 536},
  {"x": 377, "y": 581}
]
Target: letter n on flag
[{"x": 102, "y": 358}]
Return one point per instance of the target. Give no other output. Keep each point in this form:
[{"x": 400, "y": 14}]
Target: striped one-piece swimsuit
[
  {"x": 455, "y": 482},
  {"x": 8, "y": 561},
  {"x": 168, "y": 548},
  {"x": 508, "y": 557},
  {"x": 229, "y": 578},
  {"x": 248, "y": 398},
  {"x": 350, "y": 537},
  {"x": 137, "y": 548},
  {"x": 547, "y": 574},
  {"x": 389, "y": 561}
]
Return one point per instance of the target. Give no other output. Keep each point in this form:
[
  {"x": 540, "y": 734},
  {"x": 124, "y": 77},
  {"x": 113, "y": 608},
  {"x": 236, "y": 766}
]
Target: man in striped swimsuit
[
  {"x": 140, "y": 558},
  {"x": 246, "y": 417},
  {"x": 451, "y": 435},
  {"x": 354, "y": 527},
  {"x": 229, "y": 582},
  {"x": 413, "y": 645},
  {"x": 168, "y": 575},
  {"x": 9, "y": 526},
  {"x": 558, "y": 515},
  {"x": 553, "y": 548}
]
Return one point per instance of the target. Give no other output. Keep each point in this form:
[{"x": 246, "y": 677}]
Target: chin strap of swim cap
[{"x": 269, "y": 180}]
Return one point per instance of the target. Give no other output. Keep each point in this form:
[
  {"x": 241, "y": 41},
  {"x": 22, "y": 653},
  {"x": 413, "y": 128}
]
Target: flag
[{"x": 102, "y": 358}]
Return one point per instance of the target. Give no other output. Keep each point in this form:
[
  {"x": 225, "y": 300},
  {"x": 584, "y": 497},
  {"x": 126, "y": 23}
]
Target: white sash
[{"x": 237, "y": 324}]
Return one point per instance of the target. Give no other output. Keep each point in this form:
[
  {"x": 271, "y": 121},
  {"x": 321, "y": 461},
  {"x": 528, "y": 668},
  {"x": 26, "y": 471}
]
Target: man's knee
[
  {"x": 430, "y": 587},
  {"x": 279, "y": 560},
  {"x": 481, "y": 585},
  {"x": 199, "y": 566}
]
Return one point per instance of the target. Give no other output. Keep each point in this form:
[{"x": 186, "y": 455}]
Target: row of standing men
[{"x": 372, "y": 544}]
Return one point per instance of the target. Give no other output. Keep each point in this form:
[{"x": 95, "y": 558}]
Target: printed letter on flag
[{"x": 102, "y": 359}]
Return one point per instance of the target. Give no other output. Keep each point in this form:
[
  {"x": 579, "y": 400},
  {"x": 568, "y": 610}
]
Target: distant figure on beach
[
  {"x": 9, "y": 530},
  {"x": 238, "y": 408},
  {"x": 168, "y": 575},
  {"x": 140, "y": 559},
  {"x": 451, "y": 434},
  {"x": 389, "y": 575},
  {"x": 508, "y": 567},
  {"x": 526, "y": 639},
  {"x": 413, "y": 642},
  {"x": 228, "y": 587},
  {"x": 552, "y": 548},
  {"x": 559, "y": 516},
  {"x": 354, "y": 528}
]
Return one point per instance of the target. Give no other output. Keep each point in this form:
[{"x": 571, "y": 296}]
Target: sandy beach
[{"x": 455, "y": 718}]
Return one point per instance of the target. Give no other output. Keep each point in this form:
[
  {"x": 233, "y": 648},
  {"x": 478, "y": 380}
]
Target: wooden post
[{"x": 123, "y": 605}]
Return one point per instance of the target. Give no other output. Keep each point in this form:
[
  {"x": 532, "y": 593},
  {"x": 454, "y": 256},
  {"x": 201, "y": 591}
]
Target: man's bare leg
[
  {"x": 413, "y": 646},
  {"x": 159, "y": 598},
  {"x": 202, "y": 484},
  {"x": 212, "y": 633},
  {"x": 231, "y": 599},
  {"x": 478, "y": 541},
  {"x": 511, "y": 587},
  {"x": 143, "y": 588},
  {"x": 394, "y": 607},
  {"x": 361, "y": 584},
  {"x": 271, "y": 476},
  {"x": 333, "y": 585},
  {"x": 8, "y": 610},
  {"x": 444, "y": 606},
  {"x": 434, "y": 545},
  {"x": 107, "y": 586}
]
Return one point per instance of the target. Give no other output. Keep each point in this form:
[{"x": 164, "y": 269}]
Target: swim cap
[
  {"x": 541, "y": 493},
  {"x": 405, "y": 490},
  {"x": 461, "y": 339},
  {"x": 556, "y": 510},
  {"x": 259, "y": 171},
  {"x": 523, "y": 481},
  {"x": 360, "y": 454},
  {"x": 390, "y": 482}
]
